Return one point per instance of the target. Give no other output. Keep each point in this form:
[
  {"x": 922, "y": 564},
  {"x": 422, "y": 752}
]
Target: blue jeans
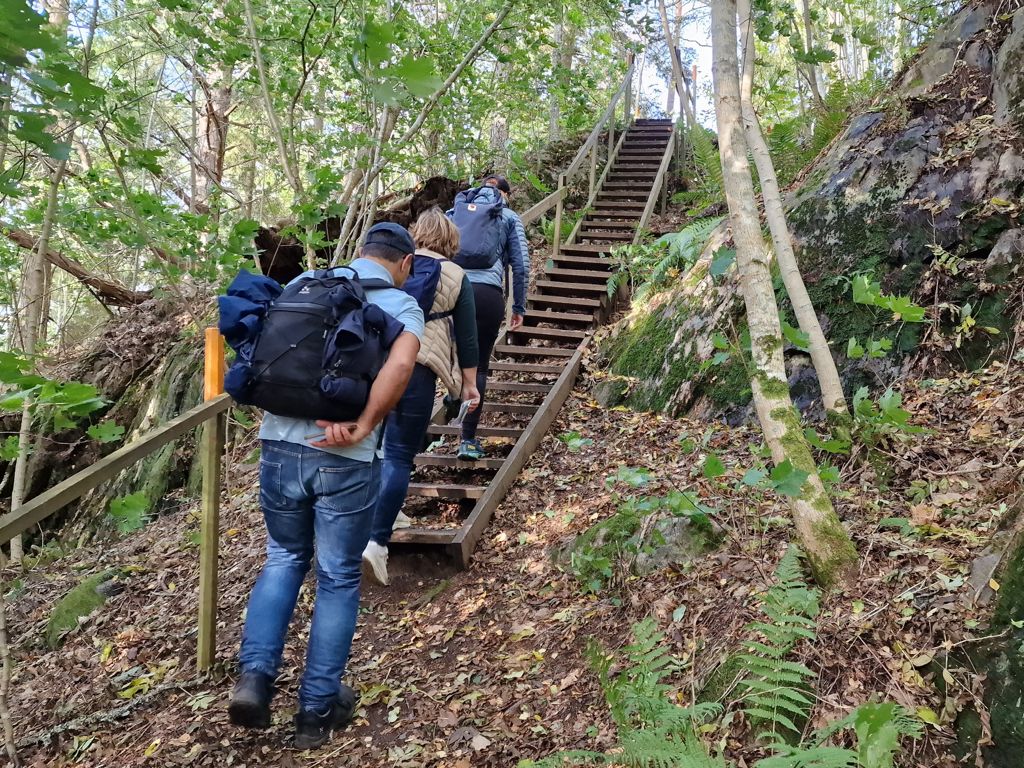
[
  {"x": 308, "y": 494},
  {"x": 404, "y": 430}
]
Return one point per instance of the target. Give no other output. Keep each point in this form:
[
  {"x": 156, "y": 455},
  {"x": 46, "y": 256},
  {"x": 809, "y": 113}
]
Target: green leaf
[
  {"x": 753, "y": 476},
  {"x": 787, "y": 479},
  {"x": 129, "y": 512},
  {"x": 722, "y": 260},
  {"x": 375, "y": 40},
  {"x": 418, "y": 74},
  {"x": 106, "y": 431},
  {"x": 713, "y": 466},
  {"x": 796, "y": 337},
  {"x": 854, "y": 350},
  {"x": 632, "y": 476}
]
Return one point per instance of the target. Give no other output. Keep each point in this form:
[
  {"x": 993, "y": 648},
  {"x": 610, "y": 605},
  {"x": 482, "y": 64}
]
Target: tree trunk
[
  {"x": 682, "y": 88},
  {"x": 212, "y": 135},
  {"x": 828, "y": 377},
  {"x": 554, "y": 95},
  {"x": 828, "y": 547},
  {"x": 812, "y": 69}
]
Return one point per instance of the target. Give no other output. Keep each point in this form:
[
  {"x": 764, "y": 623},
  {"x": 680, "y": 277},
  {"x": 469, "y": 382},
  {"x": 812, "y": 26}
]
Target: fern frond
[
  {"x": 569, "y": 758},
  {"x": 787, "y": 756}
]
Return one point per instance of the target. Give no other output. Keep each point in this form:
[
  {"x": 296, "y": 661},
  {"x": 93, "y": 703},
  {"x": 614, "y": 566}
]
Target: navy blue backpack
[
  {"x": 313, "y": 350},
  {"x": 482, "y": 233}
]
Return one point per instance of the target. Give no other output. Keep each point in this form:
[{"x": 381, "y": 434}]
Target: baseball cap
[
  {"x": 500, "y": 182},
  {"x": 392, "y": 235}
]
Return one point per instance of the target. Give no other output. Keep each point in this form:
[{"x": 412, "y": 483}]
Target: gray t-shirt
[{"x": 397, "y": 303}]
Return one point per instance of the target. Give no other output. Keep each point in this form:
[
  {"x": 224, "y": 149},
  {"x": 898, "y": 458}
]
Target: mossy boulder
[
  {"x": 78, "y": 603},
  {"x": 918, "y": 193}
]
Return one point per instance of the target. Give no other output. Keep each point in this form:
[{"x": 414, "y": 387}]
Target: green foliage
[
  {"x": 106, "y": 432},
  {"x": 867, "y": 291},
  {"x": 597, "y": 552},
  {"x": 876, "y": 348},
  {"x": 130, "y": 513},
  {"x": 776, "y": 690},
  {"x": 79, "y": 602},
  {"x": 648, "y": 267},
  {"x": 574, "y": 441},
  {"x": 654, "y": 731},
  {"x": 875, "y": 420}
]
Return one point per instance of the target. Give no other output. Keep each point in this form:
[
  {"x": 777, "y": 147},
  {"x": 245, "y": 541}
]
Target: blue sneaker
[{"x": 470, "y": 450}]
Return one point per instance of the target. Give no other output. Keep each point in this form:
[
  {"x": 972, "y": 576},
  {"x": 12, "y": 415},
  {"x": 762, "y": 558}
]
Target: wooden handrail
[
  {"x": 597, "y": 187},
  {"x": 53, "y": 499},
  {"x": 591, "y": 141},
  {"x": 542, "y": 207},
  {"x": 659, "y": 180}
]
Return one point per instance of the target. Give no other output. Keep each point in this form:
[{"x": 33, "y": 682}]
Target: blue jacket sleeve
[{"x": 518, "y": 257}]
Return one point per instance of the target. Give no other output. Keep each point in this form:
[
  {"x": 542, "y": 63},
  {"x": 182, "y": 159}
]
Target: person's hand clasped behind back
[{"x": 341, "y": 434}]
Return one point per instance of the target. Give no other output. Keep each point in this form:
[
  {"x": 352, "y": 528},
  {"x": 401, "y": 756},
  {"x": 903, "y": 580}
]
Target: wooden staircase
[{"x": 534, "y": 367}]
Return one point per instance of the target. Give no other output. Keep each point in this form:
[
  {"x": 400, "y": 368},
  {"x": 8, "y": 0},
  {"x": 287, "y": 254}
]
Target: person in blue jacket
[
  {"x": 488, "y": 291},
  {"x": 319, "y": 483}
]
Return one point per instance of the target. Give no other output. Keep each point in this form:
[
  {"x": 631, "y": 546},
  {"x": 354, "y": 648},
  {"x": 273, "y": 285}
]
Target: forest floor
[{"x": 487, "y": 666}]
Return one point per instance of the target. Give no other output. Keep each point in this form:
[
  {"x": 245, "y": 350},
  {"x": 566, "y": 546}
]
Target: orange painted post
[{"x": 211, "y": 450}]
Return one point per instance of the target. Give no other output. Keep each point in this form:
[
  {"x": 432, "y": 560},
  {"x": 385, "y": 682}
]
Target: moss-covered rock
[
  {"x": 934, "y": 169},
  {"x": 79, "y": 602}
]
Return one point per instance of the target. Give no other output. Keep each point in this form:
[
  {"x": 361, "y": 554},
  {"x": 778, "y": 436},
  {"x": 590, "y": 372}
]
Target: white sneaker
[
  {"x": 375, "y": 562},
  {"x": 402, "y": 521}
]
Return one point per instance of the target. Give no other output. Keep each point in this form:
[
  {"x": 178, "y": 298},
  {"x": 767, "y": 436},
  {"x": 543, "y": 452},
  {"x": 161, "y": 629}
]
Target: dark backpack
[
  {"x": 422, "y": 283},
  {"x": 317, "y": 350},
  {"x": 482, "y": 233}
]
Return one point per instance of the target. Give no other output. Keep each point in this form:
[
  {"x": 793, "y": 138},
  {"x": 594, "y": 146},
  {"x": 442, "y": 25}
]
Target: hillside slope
[{"x": 487, "y": 666}]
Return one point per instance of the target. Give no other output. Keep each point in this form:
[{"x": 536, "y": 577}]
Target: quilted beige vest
[{"x": 437, "y": 348}]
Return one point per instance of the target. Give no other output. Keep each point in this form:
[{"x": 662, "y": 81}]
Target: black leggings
[{"x": 490, "y": 311}]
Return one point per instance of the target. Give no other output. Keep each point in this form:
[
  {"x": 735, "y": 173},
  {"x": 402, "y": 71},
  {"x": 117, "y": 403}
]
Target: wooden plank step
[
  {"x": 591, "y": 223},
  {"x": 567, "y": 302},
  {"x": 619, "y": 214},
  {"x": 446, "y": 491},
  {"x": 625, "y": 206},
  {"x": 533, "y": 316},
  {"x": 518, "y": 386},
  {"x": 522, "y": 368},
  {"x": 559, "y": 287},
  {"x": 587, "y": 275},
  {"x": 523, "y": 409},
  {"x": 631, "y": 184},
  {"x": 446, "y": 460},
  {"x": 622, "y": 195},
  {"x": 436, "y": 537},
  {"x": 592, "y": 262},
  {"x": 621, "y": 167},
  {"x": 445, "y": 429},
  {"x": 641, "y": 178},
  {"x": 553, "y": 334},
  {"x": 575, "y": 249},
  {"x": 612, "y": 237},
  {"x": 514, "y": 350}
]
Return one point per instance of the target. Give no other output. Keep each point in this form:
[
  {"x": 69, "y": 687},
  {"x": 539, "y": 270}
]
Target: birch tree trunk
[
  {"x": 828, "y": 377},
  {"x": 812, "y": 69},
  {"x": 828, "y": 547},
  {"x": 212, "y": 135},
  {"x": 682, "y": 88}
]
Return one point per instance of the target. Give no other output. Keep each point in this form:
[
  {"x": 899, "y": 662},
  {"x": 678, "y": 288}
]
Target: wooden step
[
  {"x": 445, "y": 460},
  {"x": 575, "y": 249},
  {"x": 591, "y": 223},
  {"x": 623, "y": 167},
  {"x": 563, "y": 302},
  {"x": 624, "y": 206},
  {"x": 552, "y": 334},
  {"x": 557, "y": 287},
  {"x": 518, "y": 386},
  {"x": 534, "y": 316},
  {"x": 514, "y": 350},
  {"x": 635, "y": 178},
  {"x": 609, "y": 237},
  {"x": 434, "y": 537},
  {"x": 622, "y": 195},
  {"x": 447, "y": 491},
  {"x": 591, "y": 262},
  {"x": 586, "y": 275},
  {"x": 444, "y": 429},
  {"x": 525, "y": 368},
  {"x": 629, "y": 185},
  {"x": 520, "y": 409}
]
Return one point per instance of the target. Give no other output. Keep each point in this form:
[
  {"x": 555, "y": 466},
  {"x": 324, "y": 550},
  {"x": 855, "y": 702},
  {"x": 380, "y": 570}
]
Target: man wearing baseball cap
[{"x": 319, "y": 481}]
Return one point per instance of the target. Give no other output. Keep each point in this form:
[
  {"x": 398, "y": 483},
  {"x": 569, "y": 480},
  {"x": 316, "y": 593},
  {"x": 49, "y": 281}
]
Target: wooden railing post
[
  {"x": 212, "y": 449},
  {"x": 558, "y": 217},
  {"x": 629, "y": 94},
  {"x": 593, "y": 170}
]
